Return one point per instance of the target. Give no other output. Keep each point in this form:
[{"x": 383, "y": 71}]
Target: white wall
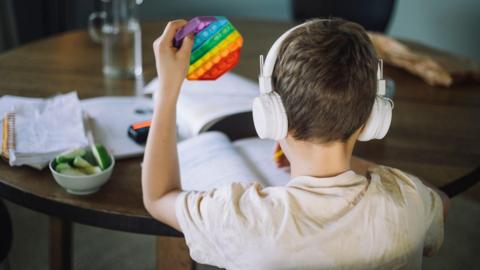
[{"x": 452, "y": 25}]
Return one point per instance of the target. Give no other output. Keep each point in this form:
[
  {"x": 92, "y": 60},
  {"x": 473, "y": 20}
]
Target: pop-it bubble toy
[{"x": 216, "y": 46}]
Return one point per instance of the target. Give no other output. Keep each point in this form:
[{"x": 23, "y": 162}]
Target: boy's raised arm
[{"x": 160, "y": 171}]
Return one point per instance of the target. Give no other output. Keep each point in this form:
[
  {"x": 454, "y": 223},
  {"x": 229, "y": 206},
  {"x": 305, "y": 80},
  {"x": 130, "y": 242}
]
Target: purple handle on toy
[{"x": 195, "y": 25}]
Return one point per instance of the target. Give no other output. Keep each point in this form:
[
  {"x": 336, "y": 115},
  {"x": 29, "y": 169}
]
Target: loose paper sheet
[{"x": 112, "y": 116}]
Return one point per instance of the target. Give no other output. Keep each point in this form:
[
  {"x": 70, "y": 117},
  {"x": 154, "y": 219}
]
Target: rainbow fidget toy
[{"x": 216, "y": 46}]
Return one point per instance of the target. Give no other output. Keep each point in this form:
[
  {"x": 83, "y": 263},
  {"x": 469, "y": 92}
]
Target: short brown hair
[{"x": 325, "y": 74}]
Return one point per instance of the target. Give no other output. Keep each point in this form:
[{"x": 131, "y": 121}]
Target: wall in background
[{"x": 445, "y": 24}]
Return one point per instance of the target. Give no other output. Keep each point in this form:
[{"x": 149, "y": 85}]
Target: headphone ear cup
[
  {"x": 269, "y": 117},
  {"x": 281, "y": 120},
  {"x": 261, "y": 117},
  {"x": 379, "y": 120}
]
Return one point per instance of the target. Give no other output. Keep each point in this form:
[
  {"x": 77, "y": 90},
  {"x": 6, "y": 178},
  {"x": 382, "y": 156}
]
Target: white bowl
[{"x": 84, "y": 184}]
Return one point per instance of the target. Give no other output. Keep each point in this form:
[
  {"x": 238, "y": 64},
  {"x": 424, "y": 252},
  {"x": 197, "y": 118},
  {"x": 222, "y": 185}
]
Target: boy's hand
[
  {"x": 172, "y": 63},
  {"x": 281, "y": 161}
]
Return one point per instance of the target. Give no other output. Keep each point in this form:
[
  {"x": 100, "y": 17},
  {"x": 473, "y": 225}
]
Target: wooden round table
[{"x": 434, "y": 134}]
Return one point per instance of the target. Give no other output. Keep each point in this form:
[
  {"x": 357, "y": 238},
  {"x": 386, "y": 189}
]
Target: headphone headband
[
  {"x": 381, "y": 84},
  {"x": 266, "y": 69}
]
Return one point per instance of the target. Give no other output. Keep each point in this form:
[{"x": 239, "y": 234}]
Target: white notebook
[
  {"x": 112, "y": 116},
  {"x": 211, "y": 160}
]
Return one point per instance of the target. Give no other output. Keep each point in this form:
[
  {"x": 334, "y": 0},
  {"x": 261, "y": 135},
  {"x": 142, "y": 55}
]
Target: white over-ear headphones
[{"x": 270, "y": 118}]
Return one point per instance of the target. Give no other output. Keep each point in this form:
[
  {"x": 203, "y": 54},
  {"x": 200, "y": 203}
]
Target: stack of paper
[{"x": 40, "y": 129}]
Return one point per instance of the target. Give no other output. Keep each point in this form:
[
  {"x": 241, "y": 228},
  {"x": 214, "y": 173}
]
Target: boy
[{"x": 327, "y": 216}]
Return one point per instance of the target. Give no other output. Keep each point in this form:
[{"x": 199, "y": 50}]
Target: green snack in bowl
[
  {"x": 85, "y": 166},
  {"x": 65, "y": 168},
  {"x": 62, "y": 167},
  {"x": 69, "y": 156},
  {"x": 83, "y": 180},
  {"x": 90, "y": 158},
  {"x": 91, "y": 170},
  {"x": 101, "y": 156},
  {"x": 73, "y": 172},
  {"x": 79, "y": 162}
]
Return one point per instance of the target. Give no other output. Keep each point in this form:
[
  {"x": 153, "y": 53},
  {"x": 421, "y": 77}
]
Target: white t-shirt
[{"x": 341, "y": 222}]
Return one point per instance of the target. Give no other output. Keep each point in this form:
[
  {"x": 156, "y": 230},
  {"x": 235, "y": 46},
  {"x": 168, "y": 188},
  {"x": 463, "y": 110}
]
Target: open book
[
  {"x": 202, "y": 104},
  {"x": 211, "y": 160}
]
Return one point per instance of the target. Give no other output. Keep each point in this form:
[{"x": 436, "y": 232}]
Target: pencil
[{"x": 278, "y": 155}]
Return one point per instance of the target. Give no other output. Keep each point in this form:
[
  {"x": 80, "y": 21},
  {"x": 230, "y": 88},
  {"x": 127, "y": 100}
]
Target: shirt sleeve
[
  {"x": 432, "y": 214},
  {"x": 434, "y": 219},
  {"x": 212, "y": 221}
]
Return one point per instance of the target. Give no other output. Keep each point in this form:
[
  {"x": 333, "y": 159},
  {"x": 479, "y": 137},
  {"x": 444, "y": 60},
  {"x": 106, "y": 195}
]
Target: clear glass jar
[{"x": 117, "y": 28}]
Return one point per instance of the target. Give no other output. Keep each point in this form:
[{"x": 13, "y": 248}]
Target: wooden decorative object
[{"x": 436, "y": 67}]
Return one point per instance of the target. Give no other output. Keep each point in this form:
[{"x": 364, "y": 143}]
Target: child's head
[{"x": 325, "y": 74}]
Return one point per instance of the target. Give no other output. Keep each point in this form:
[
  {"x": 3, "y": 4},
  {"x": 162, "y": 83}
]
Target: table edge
[{"x": 113, "y": 221}]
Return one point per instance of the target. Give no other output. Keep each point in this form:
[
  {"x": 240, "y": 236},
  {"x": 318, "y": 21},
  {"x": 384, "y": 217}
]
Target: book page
[
  {"x": 210, "y": 160},
  {"x": 203, "y": 103},
  {"x": 259, "y": 155},
  {"x": 111, "y": 118}
]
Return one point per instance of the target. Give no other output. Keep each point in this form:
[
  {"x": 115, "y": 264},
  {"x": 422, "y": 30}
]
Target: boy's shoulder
[
  {"x": 402, "y": 186},
  {"x": 387, "y": 175}
]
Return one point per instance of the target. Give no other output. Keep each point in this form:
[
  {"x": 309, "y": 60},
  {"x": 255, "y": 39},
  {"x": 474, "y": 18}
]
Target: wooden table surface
[{"x": 435, "y": 132}]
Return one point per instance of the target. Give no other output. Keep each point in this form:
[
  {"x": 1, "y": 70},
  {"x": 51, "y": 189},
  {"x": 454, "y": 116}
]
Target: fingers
[
  {"x": 282, "y": 162},
  {"x": 170, "y": 31},
  {"x": 166, "y": 39},
  {"x": 276, "y": 156},
  {"x": 280, "y": 159},
  {"x": 278, "y": 163},
  {"x": 187, "y": 45},
  {"x": 276, "y": 147}
]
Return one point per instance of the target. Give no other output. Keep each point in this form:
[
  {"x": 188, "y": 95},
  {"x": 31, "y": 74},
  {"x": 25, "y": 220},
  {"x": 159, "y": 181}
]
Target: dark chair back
[
  {"x": 462, "y": 184},
  {"x": 373, "y": 15}
]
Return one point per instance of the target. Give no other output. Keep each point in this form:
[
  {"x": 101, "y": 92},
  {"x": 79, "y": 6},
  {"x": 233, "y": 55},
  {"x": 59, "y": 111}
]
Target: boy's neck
[{"x": 319, "y": 160}]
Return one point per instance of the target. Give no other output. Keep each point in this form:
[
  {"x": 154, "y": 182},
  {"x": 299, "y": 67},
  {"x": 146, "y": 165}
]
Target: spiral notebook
[
  {"x": 8, "y": 134},
  {"x": 35, "y": 130}
]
